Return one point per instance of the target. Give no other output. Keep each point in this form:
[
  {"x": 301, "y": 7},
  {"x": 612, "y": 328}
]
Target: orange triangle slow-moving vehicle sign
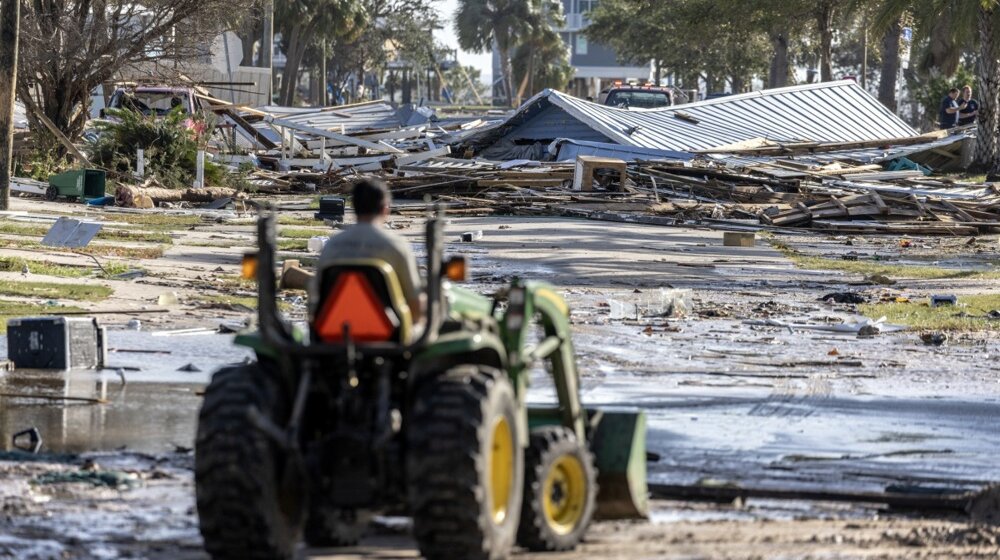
[{"x": 352, "y": 301}]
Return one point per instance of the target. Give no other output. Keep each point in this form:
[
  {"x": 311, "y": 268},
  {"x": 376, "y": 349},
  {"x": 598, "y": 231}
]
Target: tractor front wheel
[
  {"x": 465, "y": 465},
  {"x": 560, "y": 491},
  {"x": 249, "y": 494}
]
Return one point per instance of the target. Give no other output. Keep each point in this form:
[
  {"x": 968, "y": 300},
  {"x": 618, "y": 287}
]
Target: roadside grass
[
  {"x": 300, "y": 233},
  {"x": 868, "y": 268},
  {"x": 16, "y": 264},
  {"x": 152, "y": 252},
  {"x": 156, "y": 221},
  {"x": 105, "y": 234},
  {"x": 223, "y": 300},
  {"x": 968, "y": 315},
  {"x": 50, "y": 290},
  {"x": 293, "y": 244},
  {"x": 285, "y": 220},
  {"x": 220, "y": 243},
  {"x": 15, "y": 309},
  {"x": 44, "y": 268}
]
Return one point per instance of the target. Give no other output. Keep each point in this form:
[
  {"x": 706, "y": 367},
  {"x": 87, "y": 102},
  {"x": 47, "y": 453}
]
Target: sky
[{"x": 447, "y": 36}]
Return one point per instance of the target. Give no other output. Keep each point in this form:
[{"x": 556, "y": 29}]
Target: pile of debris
[{"x": 784, "y": 158}]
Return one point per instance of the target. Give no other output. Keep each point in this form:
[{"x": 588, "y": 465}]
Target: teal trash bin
[{"x": 80, "y": 183}]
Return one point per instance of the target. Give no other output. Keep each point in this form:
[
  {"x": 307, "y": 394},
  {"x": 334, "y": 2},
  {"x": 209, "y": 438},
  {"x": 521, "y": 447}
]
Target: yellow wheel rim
[
  {"x": 501, "y": 470},
  {"x": 564, "y": 494}
]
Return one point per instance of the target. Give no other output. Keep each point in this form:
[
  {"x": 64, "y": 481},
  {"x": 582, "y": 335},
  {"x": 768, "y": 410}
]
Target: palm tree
[
  {"x": 541, "y": 58},
  {"x": 950, "y": 23},
  {"x": 303, "y": 23},
  {"x": 481, "y": 23}
]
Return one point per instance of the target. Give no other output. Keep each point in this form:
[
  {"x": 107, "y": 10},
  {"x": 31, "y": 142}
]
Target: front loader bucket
[
  {"x": 619, "y": 447},
  {"x": 618, "y": 442}
]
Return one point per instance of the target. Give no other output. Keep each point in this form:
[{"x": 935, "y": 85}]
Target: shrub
[{"x": 170, "y": 143}]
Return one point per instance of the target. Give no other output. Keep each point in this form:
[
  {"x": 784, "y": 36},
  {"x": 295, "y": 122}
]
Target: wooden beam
[{"x": 30, "y": 105}]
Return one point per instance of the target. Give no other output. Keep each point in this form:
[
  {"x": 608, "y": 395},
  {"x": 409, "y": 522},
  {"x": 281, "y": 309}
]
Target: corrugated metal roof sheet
[
  {"x": 374, "y": 115},
  {"x": 839, "y": 111}
]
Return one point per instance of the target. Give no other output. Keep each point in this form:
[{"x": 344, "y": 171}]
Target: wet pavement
[
  {"x": 729, "y": 401},
  {"x": 154, "y": 411}
]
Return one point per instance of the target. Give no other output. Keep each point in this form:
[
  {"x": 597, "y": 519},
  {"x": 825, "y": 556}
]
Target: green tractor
[{"x": 359, "y": 415}]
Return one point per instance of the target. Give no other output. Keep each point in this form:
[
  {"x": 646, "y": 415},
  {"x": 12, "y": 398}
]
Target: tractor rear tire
[
  {"x": 465, "y": 466},
  {"x": 560, "y": 491},
  {"x": 245, "y": 510},
  {"x": 329, "y": 527}
]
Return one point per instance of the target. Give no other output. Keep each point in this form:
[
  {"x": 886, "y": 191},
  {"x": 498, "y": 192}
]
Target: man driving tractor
[{"x": 370, "y": 239}]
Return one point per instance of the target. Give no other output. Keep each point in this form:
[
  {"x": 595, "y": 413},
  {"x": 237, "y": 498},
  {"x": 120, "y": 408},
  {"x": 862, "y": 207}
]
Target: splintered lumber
[{"x": 127, "y": 195}]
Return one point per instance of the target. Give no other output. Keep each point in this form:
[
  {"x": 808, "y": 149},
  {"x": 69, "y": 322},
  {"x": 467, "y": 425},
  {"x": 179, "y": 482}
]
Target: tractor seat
[{"x": 365, "y": 295}]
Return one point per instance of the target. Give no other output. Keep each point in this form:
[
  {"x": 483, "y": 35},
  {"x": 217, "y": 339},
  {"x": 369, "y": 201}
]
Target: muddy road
[{"x": 730, "y": 399}]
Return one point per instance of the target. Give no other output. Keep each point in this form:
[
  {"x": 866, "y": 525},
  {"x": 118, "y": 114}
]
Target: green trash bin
[{"x": 80, "y": 183}]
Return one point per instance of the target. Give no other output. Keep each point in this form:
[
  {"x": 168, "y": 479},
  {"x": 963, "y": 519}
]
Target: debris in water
[
  {"x": 33, "y": 436},
  {"x": 189, "y": 367},
  {"x": 110, "y": 479},
  {"x": 934, "y": 338}
]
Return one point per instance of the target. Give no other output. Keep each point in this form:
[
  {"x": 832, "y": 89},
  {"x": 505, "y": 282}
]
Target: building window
[
  {"x": 587, "y": 5},
  {"x": 581, "y": 44}
]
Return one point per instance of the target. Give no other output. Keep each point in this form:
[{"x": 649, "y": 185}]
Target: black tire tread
[
  {"x": 546, "y": 444},
  {"x": 445, "y": 467},
  {"x": 235, "y": 472}
]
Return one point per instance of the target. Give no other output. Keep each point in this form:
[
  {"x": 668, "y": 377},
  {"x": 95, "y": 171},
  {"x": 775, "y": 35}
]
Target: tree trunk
[
  {"x": 9, "y": 21},
  {"x": 824, "y": 24},
  {"x": 778, "y": 74},
  {"x": 128, "y": 195},
  {"x": 508, "y": 78},
  {"x": 297, "y": 43},
  {"x": 890, "y": 65},
  {"x": 737, "y": 81},
  {"x": 987, "y": 154}
]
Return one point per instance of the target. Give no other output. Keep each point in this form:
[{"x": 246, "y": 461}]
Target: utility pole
[
  {"x": 9, "y": 30},
  {"x": 322, "y": 74},
  {"x": 267, "y": 46}
]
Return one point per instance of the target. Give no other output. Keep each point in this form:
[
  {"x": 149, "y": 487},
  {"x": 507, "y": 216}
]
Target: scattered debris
[
  {"x": 845, "y": 297},
  {"x": 934, "y": 338},
  {"x": 939, "y": 300}
]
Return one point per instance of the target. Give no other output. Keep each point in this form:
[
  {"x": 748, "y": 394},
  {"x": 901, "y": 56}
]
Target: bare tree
[{"x": 70, "y": 47}]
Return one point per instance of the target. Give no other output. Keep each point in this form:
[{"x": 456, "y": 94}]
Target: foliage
[
  {"x": 305, "y": 24},
  {"x": 541, "y": 58},
  {"x": 928, "y": 92},
  {"x": 70, "y": 47},
  {"x": 481, "y": 23},
  {"x": 170, "y": 145}
]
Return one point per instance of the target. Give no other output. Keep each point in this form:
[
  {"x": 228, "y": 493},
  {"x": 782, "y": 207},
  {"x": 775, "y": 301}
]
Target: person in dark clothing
[
  {"x": 948, "y": 116},
  {"x": 971, "y": 110}
]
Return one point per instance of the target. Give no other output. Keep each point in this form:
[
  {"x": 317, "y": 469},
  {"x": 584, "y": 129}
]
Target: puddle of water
[{"x": 153, "y": 411}]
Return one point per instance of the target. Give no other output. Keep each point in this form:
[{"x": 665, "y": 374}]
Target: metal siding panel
[{"x": 551, "y": 123}]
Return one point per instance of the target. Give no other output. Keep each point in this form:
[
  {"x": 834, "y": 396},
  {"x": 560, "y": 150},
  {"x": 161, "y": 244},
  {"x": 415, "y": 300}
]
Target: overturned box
[{"x": 55, "y": 343}]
